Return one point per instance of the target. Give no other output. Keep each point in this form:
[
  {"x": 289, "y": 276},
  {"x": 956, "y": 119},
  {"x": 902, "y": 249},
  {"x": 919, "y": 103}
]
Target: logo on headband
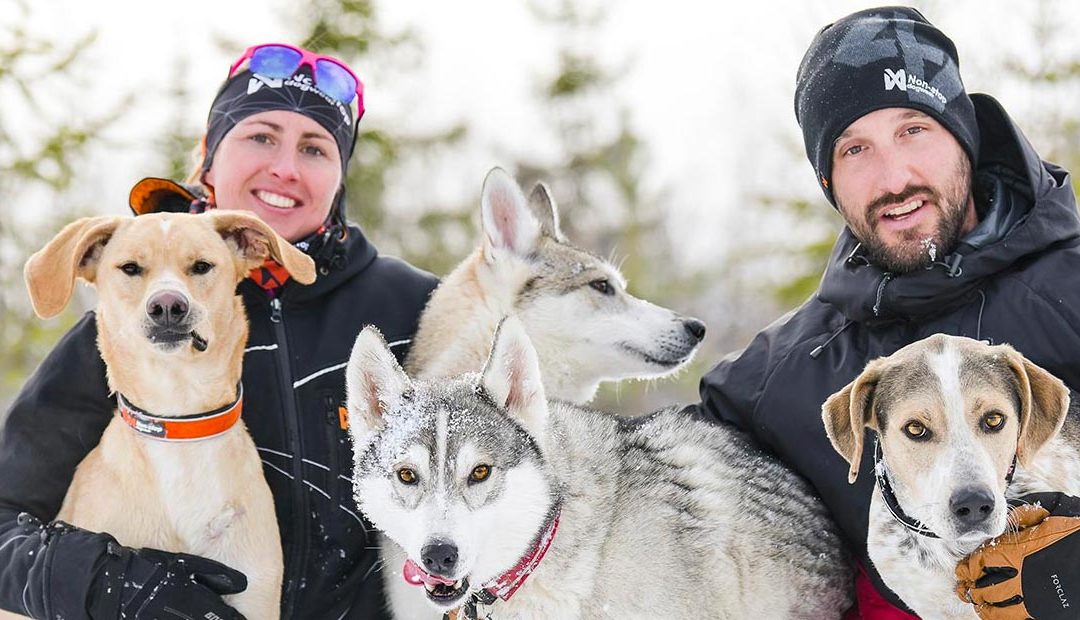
[
  {"x": 257, "y": 81},
  {"x": 300, "y": 82}
]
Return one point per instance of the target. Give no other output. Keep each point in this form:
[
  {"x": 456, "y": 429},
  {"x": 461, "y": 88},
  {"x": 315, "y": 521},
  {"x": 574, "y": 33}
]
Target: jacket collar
[
  {"x": 351, "y": 255},
  {"x": 1033, "y": 207}
]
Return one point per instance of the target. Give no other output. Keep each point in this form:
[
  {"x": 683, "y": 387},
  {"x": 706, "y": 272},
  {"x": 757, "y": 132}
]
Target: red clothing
[{"x": 870, "y": 605}]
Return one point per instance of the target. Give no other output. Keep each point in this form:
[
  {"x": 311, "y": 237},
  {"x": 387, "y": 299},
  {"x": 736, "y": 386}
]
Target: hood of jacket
[{"x": 1032, "y": 207}]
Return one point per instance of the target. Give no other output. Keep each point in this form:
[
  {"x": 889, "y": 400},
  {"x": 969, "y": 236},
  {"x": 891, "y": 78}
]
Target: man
[{"x": 954, "y": 225}]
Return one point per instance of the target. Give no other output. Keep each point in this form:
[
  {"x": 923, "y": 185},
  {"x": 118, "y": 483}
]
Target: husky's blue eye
[{"x": 407, "y": 476}]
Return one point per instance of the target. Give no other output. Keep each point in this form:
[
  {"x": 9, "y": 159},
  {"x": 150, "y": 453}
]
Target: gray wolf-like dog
[
  {"x": 172, "y": 331},
  {"x": 516, "y": 507},
  {"x": 962, "y": 426},
  {"x": 584, "y": 324},
  {"x": 575, "y": 307}
]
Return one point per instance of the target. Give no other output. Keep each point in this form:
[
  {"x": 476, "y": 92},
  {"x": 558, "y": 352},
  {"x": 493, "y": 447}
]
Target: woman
[{"x": 279, "y": 138}]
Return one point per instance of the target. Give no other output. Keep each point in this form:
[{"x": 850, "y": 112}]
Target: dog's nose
[
  {"x": 971, "y": 505},
  {"x": 440, "y": 558},
  {"x": 695, "y": 328},
  {"x": 167, "y": 308}
]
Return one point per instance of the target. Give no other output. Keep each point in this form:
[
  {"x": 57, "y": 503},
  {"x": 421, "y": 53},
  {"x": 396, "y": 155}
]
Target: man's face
[{"x": 903, "y": 184}]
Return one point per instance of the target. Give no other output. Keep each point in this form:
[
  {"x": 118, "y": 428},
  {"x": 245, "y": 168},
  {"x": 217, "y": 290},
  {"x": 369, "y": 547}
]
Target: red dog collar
[{"x": 507, "y": 583}]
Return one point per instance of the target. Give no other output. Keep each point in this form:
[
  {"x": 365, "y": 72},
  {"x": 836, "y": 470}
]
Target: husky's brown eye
[
  {"x": 131, "y": 268},
  {"x": 602, "y": 286},
  {"x": 201, "y": 267},
  {"x": 406, "y": 475},
  {"x": 480, "y": 473},
  {"x": 993, "y": 421},
  {"x": 916, "y": 430}
]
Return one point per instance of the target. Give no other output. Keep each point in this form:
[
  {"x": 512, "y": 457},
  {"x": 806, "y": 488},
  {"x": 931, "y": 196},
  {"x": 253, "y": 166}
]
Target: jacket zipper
[
  {"x": 299, "y": 552},
  {"x": 881, "y": 293}
]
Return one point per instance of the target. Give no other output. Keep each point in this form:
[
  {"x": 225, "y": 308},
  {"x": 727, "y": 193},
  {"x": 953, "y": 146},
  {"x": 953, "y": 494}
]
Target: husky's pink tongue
[{"x": 417, "y": 576}]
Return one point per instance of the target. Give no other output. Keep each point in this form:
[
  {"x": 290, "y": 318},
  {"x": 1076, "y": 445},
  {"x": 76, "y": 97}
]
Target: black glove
[
  {"x": 1032, "y": 571},
  {"x": 147, "y": 584}
]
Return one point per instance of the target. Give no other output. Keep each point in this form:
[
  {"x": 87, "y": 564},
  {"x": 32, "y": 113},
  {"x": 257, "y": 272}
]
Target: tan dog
[
  {"x": 952, "y": 416},
  {"x": 172, "y": 332}
]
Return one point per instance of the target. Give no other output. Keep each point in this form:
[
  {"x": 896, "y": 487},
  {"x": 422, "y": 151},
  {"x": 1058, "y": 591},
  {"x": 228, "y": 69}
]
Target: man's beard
[{"x": 914, "y": 249}]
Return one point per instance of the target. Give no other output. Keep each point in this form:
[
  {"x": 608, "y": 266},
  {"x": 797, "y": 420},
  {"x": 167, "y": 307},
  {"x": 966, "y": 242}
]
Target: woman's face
[{"x": 280, "y": 165}]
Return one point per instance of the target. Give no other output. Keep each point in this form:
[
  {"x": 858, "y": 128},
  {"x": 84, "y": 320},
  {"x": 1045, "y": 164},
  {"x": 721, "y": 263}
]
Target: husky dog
[
  {"x": 961, "y": 426},
  {"x": 512, "y": 506},
  {"x": 585, "y": 326}
]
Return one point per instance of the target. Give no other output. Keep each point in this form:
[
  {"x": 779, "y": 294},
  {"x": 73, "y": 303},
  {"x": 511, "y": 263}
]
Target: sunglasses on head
[{"x": 278, "y": 60}]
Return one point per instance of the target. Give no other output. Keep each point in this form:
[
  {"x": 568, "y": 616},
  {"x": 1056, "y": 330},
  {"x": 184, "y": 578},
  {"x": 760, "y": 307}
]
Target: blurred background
[{"x": 666, "y": 131}]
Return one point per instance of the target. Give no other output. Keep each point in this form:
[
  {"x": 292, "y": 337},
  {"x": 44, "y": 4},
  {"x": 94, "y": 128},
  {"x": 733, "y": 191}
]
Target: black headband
[{"x": 247, "y": 93}]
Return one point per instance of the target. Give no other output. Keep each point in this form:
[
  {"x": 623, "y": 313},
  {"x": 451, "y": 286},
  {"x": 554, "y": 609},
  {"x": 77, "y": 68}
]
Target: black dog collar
[{"x": 893, "y": 504}]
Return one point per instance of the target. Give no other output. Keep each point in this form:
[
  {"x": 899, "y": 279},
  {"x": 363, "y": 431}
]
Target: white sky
[{"x": 710, "y": 84}]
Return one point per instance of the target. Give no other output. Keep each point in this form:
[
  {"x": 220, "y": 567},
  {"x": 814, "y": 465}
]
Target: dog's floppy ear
[
  {"x": 543, "y": 207},
  {"x": 253, "y": 241},
  {"x": 848, "y": 412},
  {"x": 374, "y": 383},
  {"x": 1044, "y": 402},
  {"x": 74, "y": 252},
  {"x": 505, "y": 216},
  {"x": 511, "y": 377}
]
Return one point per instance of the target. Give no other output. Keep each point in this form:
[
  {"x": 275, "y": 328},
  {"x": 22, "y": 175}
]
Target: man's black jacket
[
  {"x": 1014, "y": 279},
  {"x": 293, "y": 386}
]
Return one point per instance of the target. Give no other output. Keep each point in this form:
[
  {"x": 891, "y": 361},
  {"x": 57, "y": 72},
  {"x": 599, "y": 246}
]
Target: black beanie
[
  {"x": 247, "y": 93},
  {"x": 889, "y": 57}
]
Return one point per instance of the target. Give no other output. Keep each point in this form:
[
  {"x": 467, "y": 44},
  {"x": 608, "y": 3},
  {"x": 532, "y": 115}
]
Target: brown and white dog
[
  {"x": 961, "y": 427},
  {"x": 172, "y": 332}
]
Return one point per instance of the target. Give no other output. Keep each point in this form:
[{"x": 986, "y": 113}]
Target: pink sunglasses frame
[{"x": 309, "y": 59}]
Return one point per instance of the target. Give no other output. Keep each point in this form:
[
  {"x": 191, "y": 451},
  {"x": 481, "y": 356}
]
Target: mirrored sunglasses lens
[
  {"x": 274, "y": 61},
  {"x": 335, "y": 81}
]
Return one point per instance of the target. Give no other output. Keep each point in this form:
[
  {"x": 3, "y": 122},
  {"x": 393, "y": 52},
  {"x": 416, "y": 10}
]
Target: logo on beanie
[
  {"x": 895, "y": 79},
  {"x": 903, "y": 80}
]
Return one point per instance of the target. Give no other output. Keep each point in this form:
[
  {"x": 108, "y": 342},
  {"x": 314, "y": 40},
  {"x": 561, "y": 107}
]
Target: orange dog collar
[{"x": 182, "y": 428}]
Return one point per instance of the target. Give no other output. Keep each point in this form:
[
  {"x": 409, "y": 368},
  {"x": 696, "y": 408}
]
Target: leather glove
[
  {"x": 1032, "y": 572},
  {"x": 149, "y": 584}
]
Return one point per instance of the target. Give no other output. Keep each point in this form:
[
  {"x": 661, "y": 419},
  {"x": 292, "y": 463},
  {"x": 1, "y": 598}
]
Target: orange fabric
[
  {"x": 270, "y": 275},
  {"x": 149, "y": 192}
]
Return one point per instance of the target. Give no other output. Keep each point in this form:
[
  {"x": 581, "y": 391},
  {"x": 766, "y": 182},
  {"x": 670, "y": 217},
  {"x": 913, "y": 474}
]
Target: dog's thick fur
[
  {"x": 666, "y": 516},
  {"x": 586, "y": 327},
  {"x": 948, "y": 386},
  {"x": 205, "y": 497}
]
